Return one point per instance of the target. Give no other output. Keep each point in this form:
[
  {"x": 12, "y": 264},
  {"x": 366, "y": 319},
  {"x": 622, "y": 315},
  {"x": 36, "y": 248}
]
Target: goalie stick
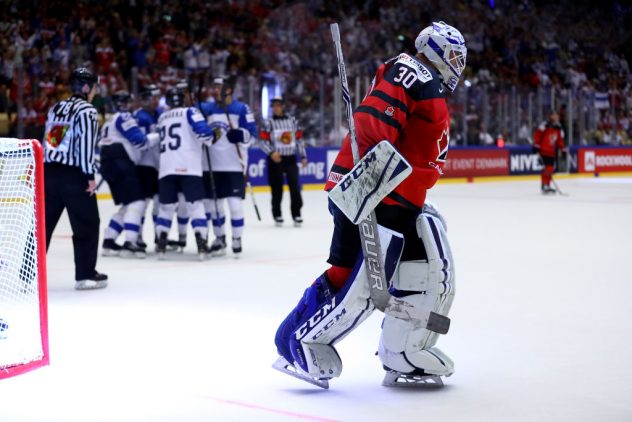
[{"x": 369, "y": 240}]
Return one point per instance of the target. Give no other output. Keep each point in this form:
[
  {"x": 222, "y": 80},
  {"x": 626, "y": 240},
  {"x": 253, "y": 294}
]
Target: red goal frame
[{"x": 40, "y": 236}]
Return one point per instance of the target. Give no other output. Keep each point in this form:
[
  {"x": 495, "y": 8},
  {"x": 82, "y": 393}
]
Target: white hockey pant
[{"x": 428, "y": 285}]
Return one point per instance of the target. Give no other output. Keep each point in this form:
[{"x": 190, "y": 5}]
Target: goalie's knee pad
[
  {"x": 427, "y": 285},
  {"x": 324, "y": 317}
]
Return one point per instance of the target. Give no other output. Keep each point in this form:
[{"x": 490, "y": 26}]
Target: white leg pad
[
  {"x": 427, "y": 285},
  {"x": 343, "y": 313}
]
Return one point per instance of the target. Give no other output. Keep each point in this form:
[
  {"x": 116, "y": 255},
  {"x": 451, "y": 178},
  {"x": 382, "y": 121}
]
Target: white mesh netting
[{"x": 20, "y": 336}]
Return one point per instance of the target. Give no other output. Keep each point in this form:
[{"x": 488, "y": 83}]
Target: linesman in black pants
[
  {"x": 69, "y": 141},
  {"x": 282, "y": 139}
]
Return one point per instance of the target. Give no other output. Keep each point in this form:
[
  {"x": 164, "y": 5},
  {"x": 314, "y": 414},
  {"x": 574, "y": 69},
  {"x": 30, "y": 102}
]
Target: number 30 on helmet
[{"x": 445, "y": 47}]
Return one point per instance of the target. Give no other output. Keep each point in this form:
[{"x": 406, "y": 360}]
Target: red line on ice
[{"x": 272, "y": 410}]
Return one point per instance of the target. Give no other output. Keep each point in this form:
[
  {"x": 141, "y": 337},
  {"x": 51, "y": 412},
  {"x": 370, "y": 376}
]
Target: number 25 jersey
[
  {"x": 405, "y": 105},
  {"x": 182, "y": 132}
]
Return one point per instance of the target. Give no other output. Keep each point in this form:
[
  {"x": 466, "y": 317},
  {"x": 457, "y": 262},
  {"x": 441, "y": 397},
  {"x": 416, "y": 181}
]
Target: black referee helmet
[{"x": 82, "y": 81}]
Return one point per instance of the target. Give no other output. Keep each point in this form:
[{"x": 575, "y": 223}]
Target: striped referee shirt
[
  {"x": 71, "y": 134},
  {"x": 283, "y": 135}
]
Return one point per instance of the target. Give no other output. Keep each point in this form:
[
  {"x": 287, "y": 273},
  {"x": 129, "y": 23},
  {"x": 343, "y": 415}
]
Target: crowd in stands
[{"x": 567, "y": 45}]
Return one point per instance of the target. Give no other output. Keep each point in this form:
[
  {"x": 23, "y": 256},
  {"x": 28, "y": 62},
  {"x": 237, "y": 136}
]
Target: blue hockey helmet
[{"x": 444, "y": 46}]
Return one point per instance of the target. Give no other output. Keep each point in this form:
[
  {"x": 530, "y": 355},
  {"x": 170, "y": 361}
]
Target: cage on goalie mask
[{"x": 445, "y": 47}]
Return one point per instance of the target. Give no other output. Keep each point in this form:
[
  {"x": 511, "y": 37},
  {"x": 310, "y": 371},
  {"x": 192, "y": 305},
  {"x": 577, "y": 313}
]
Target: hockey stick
[
  {"x": 243, "y": 169},
  {"x": 557, "y": 188},
  {"x": 369, "y": 238},
  {"x": 206, "y": 149}
]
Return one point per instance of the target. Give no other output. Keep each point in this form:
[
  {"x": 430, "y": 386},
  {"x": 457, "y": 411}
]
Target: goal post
[{"x": 23, "y": 291}]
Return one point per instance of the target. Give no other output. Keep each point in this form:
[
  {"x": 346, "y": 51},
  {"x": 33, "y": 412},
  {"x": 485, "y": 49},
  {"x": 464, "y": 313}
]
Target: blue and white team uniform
[
  {"x": 183, "y": 131},
  {"x": 235, "y": 128},
  {"x": 122, "y": 142},
  {"x": 149, "y": 162}
]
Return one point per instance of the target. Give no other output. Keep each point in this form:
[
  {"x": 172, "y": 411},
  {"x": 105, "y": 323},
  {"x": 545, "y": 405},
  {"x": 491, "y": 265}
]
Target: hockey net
[{"x": 23, "y": 305}]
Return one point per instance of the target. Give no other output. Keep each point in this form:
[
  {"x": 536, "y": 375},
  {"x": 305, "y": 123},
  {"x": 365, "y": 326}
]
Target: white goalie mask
[{"x": 445, "y": 47}]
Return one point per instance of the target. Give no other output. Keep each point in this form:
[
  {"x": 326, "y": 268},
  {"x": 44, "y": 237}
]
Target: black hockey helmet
[
  {"x": 174, "y": 97},
  {"x": 277, "y": 99},
  {"x": 223, "y": 84},
  {"x": 79, "y": 78},
  {"x": 122, "y": 100},
  {"x": 149, "y": 91}
]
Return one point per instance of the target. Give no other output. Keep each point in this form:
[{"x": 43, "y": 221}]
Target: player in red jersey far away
[
  {"x": 547, "y": 140},
  {"x": 406, "y": 106}
]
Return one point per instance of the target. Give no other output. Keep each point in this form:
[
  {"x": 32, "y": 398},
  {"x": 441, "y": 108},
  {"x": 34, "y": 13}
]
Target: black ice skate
[
  {"x": 97, "y": 281},
  {"x": 218, "y": 247},
  {"x": 141, "y": 243},
  {"x": 161, "y": 246},
  {"x": 547, "y": 190},
  {"x": 201, "y": 246},
  {"x": 182, "y": 243},
  {"x": 132, "y": 250},
  {"x": 298, "y": 221},
  {"x": 236, "y": 245},
  {"x": 278, "y": 221},
  {"x": 110, "y": 248}
]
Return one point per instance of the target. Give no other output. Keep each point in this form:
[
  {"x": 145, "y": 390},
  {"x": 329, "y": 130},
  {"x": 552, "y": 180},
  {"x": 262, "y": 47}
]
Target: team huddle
[{"x": 187, "y": 160}]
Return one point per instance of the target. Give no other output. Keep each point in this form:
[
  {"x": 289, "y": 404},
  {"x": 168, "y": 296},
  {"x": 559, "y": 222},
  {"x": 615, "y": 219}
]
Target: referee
[
  {"x": 282, "y": 139},
  {"x": 69, "y": 141}
]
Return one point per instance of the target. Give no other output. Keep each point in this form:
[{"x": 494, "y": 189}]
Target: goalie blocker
[
  {"x": 371, "y": 179},
  {"x": 306, "y": 338}
]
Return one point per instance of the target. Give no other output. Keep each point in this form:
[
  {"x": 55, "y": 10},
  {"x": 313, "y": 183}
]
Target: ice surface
[{"x": 541, "y": 323}]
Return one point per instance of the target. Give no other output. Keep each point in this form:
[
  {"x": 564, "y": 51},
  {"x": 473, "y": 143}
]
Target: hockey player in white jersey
[
  {"x": 183, "y": 131},
  {"x": 147, "y": 117},
  {"x": 234, "y": 124},
  {"x": 122, "y": 142}
]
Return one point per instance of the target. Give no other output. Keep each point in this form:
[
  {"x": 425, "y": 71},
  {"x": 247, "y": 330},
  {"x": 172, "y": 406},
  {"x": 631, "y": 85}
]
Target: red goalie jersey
[{"x": 405, "y": 105}]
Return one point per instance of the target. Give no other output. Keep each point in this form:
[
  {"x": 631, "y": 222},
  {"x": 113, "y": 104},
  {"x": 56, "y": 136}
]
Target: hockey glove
[{"x": 235, "y": 136}]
